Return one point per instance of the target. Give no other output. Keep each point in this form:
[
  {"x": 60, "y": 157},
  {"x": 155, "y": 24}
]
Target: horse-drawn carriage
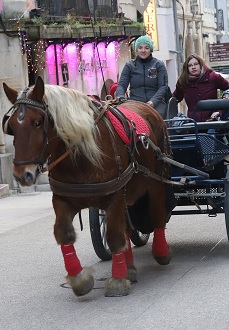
[
  {"x": 201, "y": 150},
  {"x": 124, "y": 171}
]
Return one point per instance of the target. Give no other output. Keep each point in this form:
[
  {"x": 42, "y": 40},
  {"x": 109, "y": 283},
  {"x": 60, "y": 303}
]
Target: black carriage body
[{"x": 203, "y": 146}]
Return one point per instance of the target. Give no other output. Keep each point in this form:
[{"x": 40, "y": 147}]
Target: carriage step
[
  {"x": 42, "y": 187},
  {"x": 43, "y": 183},
  {"x": 34, "y": 188},
  {"x": 4, "y": 190}
]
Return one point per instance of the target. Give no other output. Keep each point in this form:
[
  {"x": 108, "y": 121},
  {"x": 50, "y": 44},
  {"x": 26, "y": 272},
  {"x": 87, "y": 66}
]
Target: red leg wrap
[
  {"x": 71, "y": 261},
  {"x": 128, "y": 253},
  {"x": 160, "y": 246},
  {"x": 119, "y": 269}
]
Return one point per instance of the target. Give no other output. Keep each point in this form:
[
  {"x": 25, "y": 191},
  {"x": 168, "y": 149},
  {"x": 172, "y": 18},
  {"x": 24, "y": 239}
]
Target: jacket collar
[{"x": 146, "y": 60}]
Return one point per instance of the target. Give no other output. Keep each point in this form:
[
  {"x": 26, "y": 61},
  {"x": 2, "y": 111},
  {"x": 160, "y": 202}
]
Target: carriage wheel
[
  {"x": 139, "y": 239},
  {"x": 226, "y": 203},
  {"x": 97, "y": 220}
]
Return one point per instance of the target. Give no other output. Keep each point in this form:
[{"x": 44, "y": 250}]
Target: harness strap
[
  {"x": 161, "y": 156},
  {"x": 100, "y": 106},
  {"x": 110, "y": 129},
  {"x": 37, "y": 160},
  {"x": 55, "y": 162},
  {"x": 92, "y": 189},
  {"x": 146, "y": 172},
  {"x": 30, "y": 102}
]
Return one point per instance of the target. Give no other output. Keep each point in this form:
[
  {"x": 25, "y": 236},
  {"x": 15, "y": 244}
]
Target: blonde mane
[{"x": 73, "y": 120}]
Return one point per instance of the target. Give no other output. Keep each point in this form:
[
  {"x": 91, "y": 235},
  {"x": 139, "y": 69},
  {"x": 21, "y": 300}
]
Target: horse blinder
[
  {"x": 6, "y": 125},
  {"x": 21, "y": 114}
]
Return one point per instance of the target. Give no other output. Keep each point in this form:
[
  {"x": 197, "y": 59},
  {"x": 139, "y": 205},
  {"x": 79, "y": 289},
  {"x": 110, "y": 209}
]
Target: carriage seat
[
  {"x": 213, "y": 105},
  {"x": 217, "y": 125},
  {"x": 189, "y": 127},
  {"x": 206, "y": 125},
  {"x": 172, "y": 108}
]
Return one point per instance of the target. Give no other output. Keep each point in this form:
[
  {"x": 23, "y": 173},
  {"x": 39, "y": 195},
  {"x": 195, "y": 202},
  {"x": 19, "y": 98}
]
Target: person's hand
[
  {"x": 122, "y": 99},
  {"x": 150, "y": 103},
  {"x": 215, "y": 115}
]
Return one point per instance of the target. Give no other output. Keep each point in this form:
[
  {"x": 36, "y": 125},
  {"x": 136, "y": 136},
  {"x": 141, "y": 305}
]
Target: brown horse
[{"x": 91, "y": 166}]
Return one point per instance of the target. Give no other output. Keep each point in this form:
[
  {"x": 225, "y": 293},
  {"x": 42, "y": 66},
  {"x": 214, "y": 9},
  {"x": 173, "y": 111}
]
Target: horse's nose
[
  {"x": 26, "y": 179},
  {"x": 29, "y": 178}
]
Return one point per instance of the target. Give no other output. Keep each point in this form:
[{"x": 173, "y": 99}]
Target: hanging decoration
[
  {"x": 150, "y": 22},
  {"x": 84, "y": 64}
]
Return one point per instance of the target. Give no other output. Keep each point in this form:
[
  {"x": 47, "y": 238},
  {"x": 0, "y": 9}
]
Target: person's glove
[{"x": 122, "y": 99}]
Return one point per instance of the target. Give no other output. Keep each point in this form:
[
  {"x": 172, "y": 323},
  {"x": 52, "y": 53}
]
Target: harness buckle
[
  {"x": 40, "y": 168},
  {"x": 108, "y": 98},
  {"x": 144, "y": 140},
  {"x": 135, "y": 166}
]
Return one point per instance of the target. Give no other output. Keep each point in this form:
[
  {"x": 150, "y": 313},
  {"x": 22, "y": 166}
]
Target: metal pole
[
  {"x": 217, "y": 21},
  {"x": 56, "y": 63},
  {"x": 178, "y": 50}
]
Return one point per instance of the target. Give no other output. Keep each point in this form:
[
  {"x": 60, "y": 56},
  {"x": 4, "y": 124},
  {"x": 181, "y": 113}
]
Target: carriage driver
[{"x": 146, "y": 77}]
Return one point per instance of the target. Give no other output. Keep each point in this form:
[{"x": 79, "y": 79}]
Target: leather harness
[{"x": 93, "y": 189}]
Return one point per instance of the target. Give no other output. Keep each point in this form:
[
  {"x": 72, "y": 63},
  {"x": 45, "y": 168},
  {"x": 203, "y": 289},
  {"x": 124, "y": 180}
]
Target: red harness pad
[{"x": 140, "y": 124}]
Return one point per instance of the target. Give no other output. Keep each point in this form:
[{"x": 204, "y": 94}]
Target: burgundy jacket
[{"x": 203, "y": 89}]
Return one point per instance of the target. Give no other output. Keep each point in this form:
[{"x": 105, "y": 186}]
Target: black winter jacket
[{"x": 148, "y": 80}]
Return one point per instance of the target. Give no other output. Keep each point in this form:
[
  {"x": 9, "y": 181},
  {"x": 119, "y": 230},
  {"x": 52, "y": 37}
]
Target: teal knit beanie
[{"x": 144, "y": 40}]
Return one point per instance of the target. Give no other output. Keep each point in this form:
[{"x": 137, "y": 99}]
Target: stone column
[
  {"x": 2, "y": 142},
  {"x": 196, "y": 39},
  {"x": 189, "y": 47}
]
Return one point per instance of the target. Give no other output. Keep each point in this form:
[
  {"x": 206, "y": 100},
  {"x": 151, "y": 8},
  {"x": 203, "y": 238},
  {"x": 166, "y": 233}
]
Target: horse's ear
[
  {"x": 38, "y": 90},
  {"x": 10, "y": 93}
]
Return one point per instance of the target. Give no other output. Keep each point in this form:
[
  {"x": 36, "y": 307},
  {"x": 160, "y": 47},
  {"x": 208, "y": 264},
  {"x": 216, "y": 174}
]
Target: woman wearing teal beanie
[{"x": 146, "y": 77}]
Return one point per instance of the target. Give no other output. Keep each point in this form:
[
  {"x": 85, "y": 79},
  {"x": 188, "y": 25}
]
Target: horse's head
[{"x": 28, "y": 122}]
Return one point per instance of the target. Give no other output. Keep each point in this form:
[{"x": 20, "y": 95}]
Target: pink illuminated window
[
  {"x": 51, "y": 64},
  {"x": 88, "y": 66}
]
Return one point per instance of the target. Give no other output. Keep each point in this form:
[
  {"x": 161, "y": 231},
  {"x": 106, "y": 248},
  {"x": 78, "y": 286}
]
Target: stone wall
[{"x": 17, "y": 8}]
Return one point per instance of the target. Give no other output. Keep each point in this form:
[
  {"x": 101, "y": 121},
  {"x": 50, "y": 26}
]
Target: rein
[
  {"x": 105, "y": 188},
  {"x": 109, "y": 187},
  {"x": 55, "y": 162},
  {"x": 92, "y": 189}
]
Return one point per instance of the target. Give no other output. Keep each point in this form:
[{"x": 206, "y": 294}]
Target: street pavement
[{"x": 192, "y": 292}]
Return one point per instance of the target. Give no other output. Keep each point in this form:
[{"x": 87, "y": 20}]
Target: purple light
[
  {"x": 51, "y": 64},
  {"x": 88, "y": 67},
  {"x": 71, "y": 57}
]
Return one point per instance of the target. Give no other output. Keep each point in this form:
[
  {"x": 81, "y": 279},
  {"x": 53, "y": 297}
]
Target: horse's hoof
[
  {"x": 117, "y": 287},
  {"x": 165, "y": 260},
  {"x": 82, "y": 283},
  {"x": 131, "y": 273}
]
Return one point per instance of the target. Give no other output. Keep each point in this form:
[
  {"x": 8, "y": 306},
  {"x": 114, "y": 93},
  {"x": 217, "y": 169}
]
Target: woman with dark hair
[{"x": 198, "y": 81}]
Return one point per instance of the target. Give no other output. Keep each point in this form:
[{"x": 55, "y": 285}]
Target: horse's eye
[{"x": 38, "y": 123}]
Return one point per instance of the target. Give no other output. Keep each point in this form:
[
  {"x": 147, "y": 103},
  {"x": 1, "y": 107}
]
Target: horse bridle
[{"x": 20, "y": 107}]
